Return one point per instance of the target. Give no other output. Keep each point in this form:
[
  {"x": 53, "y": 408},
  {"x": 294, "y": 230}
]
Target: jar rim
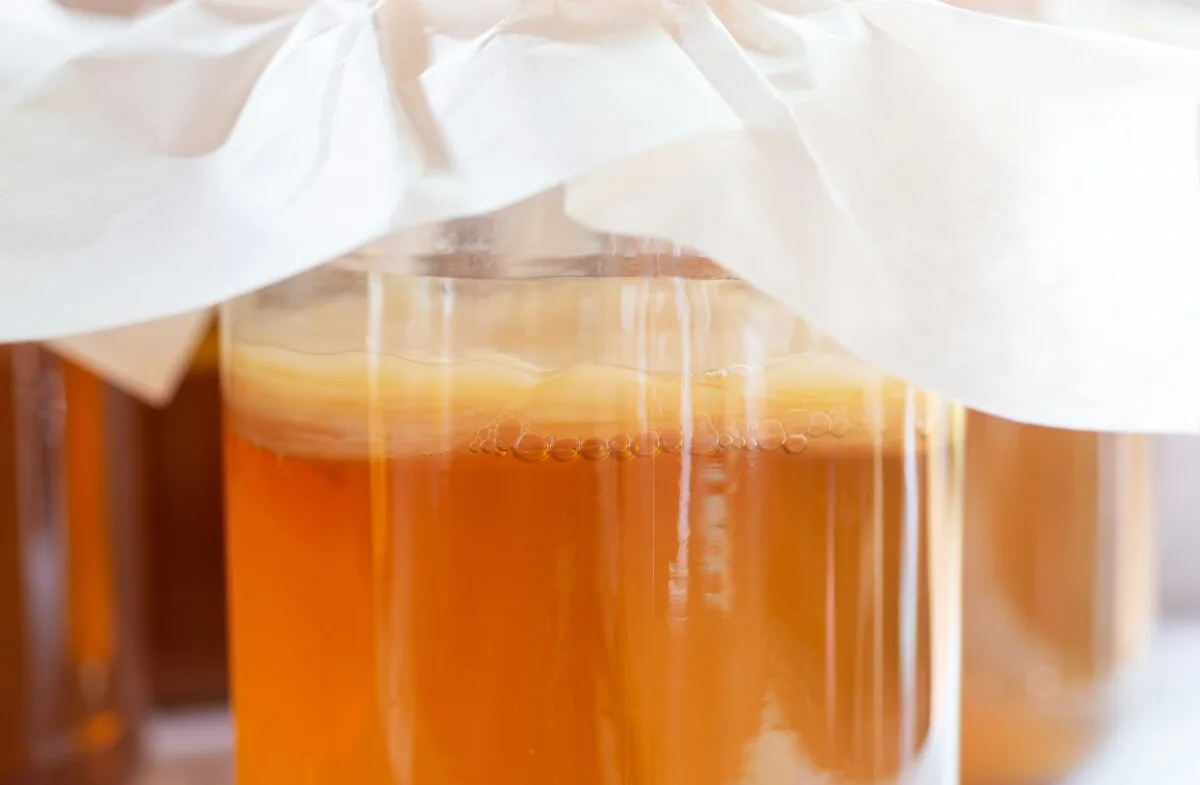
[{"x": 625, "y": 258}]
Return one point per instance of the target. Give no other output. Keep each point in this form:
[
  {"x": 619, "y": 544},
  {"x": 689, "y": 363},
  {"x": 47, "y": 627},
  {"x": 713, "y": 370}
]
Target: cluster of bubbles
[{"x": 707, "y": 436}]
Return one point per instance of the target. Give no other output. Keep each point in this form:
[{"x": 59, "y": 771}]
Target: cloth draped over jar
[{"x": 1005, "y": 212}]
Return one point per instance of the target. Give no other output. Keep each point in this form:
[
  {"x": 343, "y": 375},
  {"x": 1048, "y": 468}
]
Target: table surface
[{"x": 1159, "y": 741}]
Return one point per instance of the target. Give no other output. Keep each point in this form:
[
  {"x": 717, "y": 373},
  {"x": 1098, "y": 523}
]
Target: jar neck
[
  {"x": 620, "y": 260},
  {"x": 532, "y": 239}
]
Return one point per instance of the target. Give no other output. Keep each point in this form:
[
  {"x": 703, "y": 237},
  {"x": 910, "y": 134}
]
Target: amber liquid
[
  {"x": 1058, "y": 594},
  {"x": 68, "y": 669},
  {"x": 523, "y": 584},
  {"x": 185, "y": 538}
]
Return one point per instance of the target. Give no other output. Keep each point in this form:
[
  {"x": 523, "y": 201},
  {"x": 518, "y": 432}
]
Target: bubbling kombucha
[
  {"x": 485, "y": 571},
  {"x": 1058, "y": 593}
]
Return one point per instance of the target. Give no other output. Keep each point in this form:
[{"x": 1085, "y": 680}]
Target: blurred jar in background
[
  {"x": 185, "y": 538},
  {"x": 1058, "y": 593},
  {"x": 70, "y": 647}
]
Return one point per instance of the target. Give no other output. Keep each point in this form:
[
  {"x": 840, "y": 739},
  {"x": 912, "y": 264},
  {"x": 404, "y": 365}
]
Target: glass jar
[
  {"x": 186, "y": 538},
  {"x": 602, "y": 516},
  {"x": 1059, "y": 594},
  {"x": 70, "y": 645}
]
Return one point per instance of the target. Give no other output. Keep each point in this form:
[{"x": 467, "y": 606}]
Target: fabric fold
[{"x": 1001, "y": 211}]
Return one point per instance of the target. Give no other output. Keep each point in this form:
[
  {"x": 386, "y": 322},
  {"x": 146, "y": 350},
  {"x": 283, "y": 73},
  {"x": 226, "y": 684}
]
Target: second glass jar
[
  {"x": 1059, "y": 594},
  {"x": 72, "y": 695}
]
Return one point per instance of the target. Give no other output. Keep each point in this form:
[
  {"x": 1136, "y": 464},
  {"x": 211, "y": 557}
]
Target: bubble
[
  {"x": 488, "y": 445},
  {"x": 724, "y": 441},
  {"x": 671, "y": 439},
  {"x": 565, "y": 450},
  {"x": 796, "y": 422},
  {"x": 595, "y": 448},
  {"x": 508, "y": 433},
  {"x": 820, "y": 425},
  {"x": 476, "y": 445},
  {"x": 771, "y": 435},
  {"x": 705, "y": 438},
  {"x": 841, "y": 427},
  {"x": 622, "y": 447},
  {"x": 646, "y": 445},
  {"x": 729, "y": 426},
  {"x": 739, "y": 443},
  {"x": 749, "y": 435},
  {"x": 531, "y": 448},
  {"x": 795, "y": 444}
]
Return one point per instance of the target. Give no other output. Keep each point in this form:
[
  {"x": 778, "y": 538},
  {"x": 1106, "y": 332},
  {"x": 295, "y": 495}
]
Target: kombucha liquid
[
  {"x": 69, "y": 696},
  {"x": 185, "y": 537},
  {"x": 1058, "y": 593},
  {"x": 482, "y": 572}
]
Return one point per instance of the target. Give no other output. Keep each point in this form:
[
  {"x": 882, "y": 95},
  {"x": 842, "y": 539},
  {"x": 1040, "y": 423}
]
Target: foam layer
[
  {"x": 667, "y": 325},
  {"x": 350, "y": 404}
]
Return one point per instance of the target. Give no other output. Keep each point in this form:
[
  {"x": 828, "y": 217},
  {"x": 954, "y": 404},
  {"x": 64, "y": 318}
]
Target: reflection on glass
[
  {"x": 1058, "y": 593},
  {"x": 69, "y": 668},
  {"x": 635, "y": 526}
]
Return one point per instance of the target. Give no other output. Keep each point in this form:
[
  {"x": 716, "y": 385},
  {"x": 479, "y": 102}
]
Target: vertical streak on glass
[
  {"x": 1136, "y": 588},
  {"x": 679, "y": 576},
  {"x": 377, "y": 436},
  {"x": 908, "y": 594},
  {"x": 37, "y": 403},
  {"x": 379, "y": 502},
  {"x": 685, "y": 474},
  {"x": 831, "y": 691},
  {"x": 944, "y": 505},
  {"x": 645, "y": 348},
  {"x": 878, "y": 543},
  {"x": 1112, "y": 478},
  {"x": 90, "y": 580}
]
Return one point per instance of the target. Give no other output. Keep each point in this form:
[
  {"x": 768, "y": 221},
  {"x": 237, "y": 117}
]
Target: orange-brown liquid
[
  {"x": 1057, "y": 593},
  {"x": 185, "y": 538},
  {"x": 67, "y": 606},
  {"x": 526, "y": 582}
]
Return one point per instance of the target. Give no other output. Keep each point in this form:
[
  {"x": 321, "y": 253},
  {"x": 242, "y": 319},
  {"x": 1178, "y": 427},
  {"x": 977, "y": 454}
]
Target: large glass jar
[
  {"x": 610, "y": 516},
  {"x": 71, "y": 693},
  {"x": 185, "y": 538},
  {"x": 1059, "y": 594}
]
